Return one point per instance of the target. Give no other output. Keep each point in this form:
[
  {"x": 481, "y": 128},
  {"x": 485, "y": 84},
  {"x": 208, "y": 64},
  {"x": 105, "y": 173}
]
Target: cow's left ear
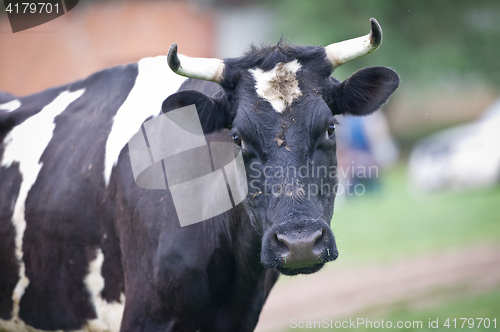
[
  {"x": 211, "y": 110},
  {"x": 365, "y": 91}
]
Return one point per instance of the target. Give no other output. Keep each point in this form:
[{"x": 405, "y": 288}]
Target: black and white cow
[{"x": 82, "y": 247}]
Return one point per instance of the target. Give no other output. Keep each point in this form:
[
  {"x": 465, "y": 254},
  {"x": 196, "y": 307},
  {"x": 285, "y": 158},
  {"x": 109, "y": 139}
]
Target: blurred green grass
[
  {"x": 483, "y": 306},
  {"x": 392, "y": 223}
]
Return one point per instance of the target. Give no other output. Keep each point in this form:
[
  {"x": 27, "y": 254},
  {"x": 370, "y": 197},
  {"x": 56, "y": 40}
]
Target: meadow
[{"x": 393, "y": 224}]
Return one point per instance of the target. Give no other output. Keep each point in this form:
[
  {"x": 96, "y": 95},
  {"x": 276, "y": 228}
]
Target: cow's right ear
[
  {"x": 364, "y": 92},
  {"x": 211, "y": 111}
]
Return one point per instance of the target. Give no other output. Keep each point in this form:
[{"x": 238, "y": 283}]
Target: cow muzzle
[{"x": 298, "y": 247}]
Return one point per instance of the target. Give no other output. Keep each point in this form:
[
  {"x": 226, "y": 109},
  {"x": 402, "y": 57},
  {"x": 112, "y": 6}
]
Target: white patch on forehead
[{"x": 278, "y": 86}]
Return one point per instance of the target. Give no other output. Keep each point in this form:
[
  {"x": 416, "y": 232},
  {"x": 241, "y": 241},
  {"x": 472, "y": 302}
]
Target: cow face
[{"x": 279, "y": 104}]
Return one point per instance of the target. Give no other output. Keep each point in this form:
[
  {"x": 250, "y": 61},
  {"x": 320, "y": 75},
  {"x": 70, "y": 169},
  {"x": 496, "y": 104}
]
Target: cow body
[
  {"x": 69, "y": 225},
  {"x": 83, "y": 247}
]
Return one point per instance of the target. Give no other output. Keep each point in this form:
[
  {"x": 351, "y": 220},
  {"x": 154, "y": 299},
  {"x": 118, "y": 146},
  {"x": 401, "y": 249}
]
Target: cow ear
[
  {"x": 210, "y": 110},
  {"x": 365, "y": 91}
]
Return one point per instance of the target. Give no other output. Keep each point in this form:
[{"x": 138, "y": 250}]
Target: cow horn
[
  {"x": 345, "y": 51},
  {"x": 200, "y": 68}
]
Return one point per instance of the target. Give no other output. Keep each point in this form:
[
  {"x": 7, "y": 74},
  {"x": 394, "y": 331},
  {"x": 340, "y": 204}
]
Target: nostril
[
  {"x": 281, "y": 243},
  {"x": 320, "y": 234},
  {"x": 280, "y": 238},
  {"x": 319, "y": 241}
]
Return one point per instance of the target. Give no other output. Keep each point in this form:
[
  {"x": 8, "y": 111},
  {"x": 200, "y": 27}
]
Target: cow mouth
[{"x": 299, "y": 270}]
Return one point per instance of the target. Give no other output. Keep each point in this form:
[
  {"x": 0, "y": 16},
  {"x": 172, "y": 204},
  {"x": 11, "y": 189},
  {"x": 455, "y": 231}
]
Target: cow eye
[
  {"x": 237, "y": 139},
  {"x": 331, "y": 130}
]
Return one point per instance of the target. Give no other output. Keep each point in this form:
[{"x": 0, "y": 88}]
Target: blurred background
[{"x": 422, "y": 240}]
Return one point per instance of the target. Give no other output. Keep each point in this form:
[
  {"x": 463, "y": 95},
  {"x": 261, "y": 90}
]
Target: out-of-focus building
[{"x": 97, "y": 35}]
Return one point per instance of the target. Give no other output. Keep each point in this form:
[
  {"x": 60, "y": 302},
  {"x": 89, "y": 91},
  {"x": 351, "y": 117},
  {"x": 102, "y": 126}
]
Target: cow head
[{"x": 279, "y": 104}]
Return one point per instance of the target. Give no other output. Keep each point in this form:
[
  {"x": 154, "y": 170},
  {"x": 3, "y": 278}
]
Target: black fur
[
  {"x": 8, "y": 263},
  {"x": 63, "y": 209},
  {"x": 365, "y": 91},
  {"x": 5, "y": 97}
]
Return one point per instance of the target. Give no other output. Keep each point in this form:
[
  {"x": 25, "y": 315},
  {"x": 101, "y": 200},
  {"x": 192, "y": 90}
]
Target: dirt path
[{"x": 342, "y": 292}]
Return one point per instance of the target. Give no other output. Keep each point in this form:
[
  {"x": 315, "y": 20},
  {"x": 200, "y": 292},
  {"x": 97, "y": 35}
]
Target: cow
[{"x": 83, "y": 247}]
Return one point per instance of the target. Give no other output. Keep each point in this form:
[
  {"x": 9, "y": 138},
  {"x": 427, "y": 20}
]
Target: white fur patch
[
  {"x": 25, "y": 144},
  {"x": 11, "y": 105},
  {"x": 18, "y": 325},
  {"x": 155, "y": 82},
  {"x": 278, "y": 86},
  {"x": 109, "y": 315}
]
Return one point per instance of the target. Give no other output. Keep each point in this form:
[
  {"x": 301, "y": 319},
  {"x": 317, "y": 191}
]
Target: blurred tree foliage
[{"x": 423, "y": 40}]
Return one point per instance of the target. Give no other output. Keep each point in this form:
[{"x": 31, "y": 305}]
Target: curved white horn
[
  {"x": 345, "y": 51},
  {"x": 200, "y": 68}
]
